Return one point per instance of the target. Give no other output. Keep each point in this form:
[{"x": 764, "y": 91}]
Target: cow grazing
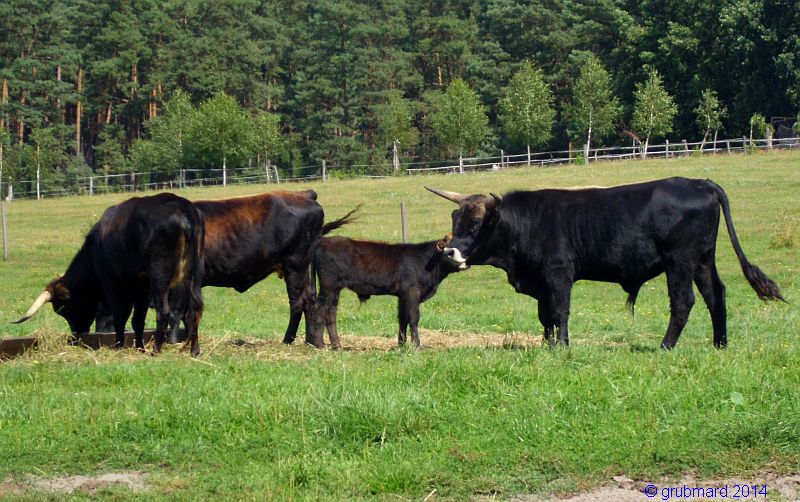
[
  {"x": 141, "y": 252},
  {"x": 411, "y": 272},
  {"x": 546, "y": 240}
]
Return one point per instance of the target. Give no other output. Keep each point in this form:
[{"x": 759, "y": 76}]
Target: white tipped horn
[
  {"x": 45, "y": 297},
  {"x": 451, "y": 196}
]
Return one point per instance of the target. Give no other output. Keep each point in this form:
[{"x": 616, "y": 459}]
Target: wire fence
[{"x": 142, "y": 181}]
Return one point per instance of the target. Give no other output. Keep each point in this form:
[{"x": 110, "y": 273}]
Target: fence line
[{"x": 99, "y": 183}]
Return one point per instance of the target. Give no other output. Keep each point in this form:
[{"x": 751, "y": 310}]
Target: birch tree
[
  {"x": 527, "y": 111},
  {"x": 594, "y": 109},
  {"x": 653, "y": 109}
]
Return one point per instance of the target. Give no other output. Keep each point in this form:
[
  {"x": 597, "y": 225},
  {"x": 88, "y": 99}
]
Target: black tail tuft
[
  {"x": 344, "y": 220},
  {"x": 765, "y": 288}
]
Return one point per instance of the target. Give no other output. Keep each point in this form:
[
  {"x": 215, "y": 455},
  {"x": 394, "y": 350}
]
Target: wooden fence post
[
  {"x": 403, "y": 225},
  {"x": 501, "y": 158},
  {"x": 666, "y": 148},
  {"x": 324, "y": 171},
  {"x": 685, "y": 148},
  {"x": 460, "y": 164},
  {"x": 728, "y": 145},
  {"x": 277, "y": 178},
  {"x": 91, "y": 186},
  {"x": 5, "y": 231}
]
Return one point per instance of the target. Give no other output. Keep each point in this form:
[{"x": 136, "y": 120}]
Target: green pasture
[{"x": 262, "y": 421}]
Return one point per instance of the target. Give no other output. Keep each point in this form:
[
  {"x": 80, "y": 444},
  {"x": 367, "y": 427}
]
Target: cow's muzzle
[{"x": 454, "y": 256}]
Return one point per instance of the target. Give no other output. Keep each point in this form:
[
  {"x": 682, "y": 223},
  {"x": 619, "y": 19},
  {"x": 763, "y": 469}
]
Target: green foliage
[
  {"x": 395, "y": 123},
  {"x": 458, "y": 119},
  {"x": 758, "y": 126},
  {"x": 268, "y": 143},
  {"x": 654, "y": 109},
  {"x": 709, "y": 113},
  {"x": 329, "y": 68},
  {"x": 527, "y": 111},
  {"x": 220, "y": 133},
  {"x": 594, "y": 109}
]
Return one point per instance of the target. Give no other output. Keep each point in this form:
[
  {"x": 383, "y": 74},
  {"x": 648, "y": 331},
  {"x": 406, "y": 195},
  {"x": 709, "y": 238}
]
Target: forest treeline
[{"x": 113, "y": 87}]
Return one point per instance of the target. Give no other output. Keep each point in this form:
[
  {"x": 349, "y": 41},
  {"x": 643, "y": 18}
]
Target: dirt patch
[
  {"x": 623, "y": 489},
  {"x": 134, "y": 481}
]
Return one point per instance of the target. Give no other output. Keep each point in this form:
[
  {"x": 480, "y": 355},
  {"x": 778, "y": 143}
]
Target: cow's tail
[
  {"x": 344, "y": 220},
  {"x": 200, "y": 259},
  {"x": 765, "y": 288}
]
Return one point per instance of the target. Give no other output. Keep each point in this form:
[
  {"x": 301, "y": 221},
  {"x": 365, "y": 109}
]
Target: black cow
[
  {"x": 411, "y": 272},
  {"x": 546, "y": 240},
  {"x": 141, "y": 252}
]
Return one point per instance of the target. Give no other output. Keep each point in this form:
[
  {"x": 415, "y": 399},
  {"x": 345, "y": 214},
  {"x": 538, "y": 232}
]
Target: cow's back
[
  {"x": 616, "y": 234},
  {"x": 248, "y": 237}
]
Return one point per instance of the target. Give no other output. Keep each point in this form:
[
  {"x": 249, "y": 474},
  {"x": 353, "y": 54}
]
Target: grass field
[{"x": 265, "y": 421}]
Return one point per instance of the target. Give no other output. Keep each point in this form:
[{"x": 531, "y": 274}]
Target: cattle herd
[{"x": 158, "y": 252}]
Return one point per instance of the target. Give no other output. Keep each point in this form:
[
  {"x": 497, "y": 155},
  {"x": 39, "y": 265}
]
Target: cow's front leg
[
  {"x": 681, "y": 300},
  {"x": 120, "y": 311},
  {"x": 546, "y": 321},
  {"x": 560, "y": 289},
  {"x": 409, "y": 312}
]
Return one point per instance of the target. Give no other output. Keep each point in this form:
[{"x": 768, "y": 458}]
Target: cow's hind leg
[
  {"x": 402, "y": 319},
  {"x": 298, "y": 288},
  {"x": 331, "y": 305},
  {"x": 191, "y": 320},
  {"x": 713, "y": 291},
  {"x": 140, "y": 307},
  {"x": 681, "y": 300}
]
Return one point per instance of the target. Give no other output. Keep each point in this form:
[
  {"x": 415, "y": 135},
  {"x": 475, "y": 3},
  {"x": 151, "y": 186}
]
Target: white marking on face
[{"x": 454, "y": 255}]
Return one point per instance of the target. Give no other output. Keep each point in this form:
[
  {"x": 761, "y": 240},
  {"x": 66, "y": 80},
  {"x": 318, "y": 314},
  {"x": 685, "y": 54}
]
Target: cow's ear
[
  {"x": 495, "y": 202},
  {"x": 443, "y": 242},
  {"x": 59, "y": 290}
]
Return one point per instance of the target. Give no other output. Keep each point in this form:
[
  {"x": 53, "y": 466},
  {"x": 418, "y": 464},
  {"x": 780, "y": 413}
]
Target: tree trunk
[
  {"x": 529, "y": 154},
  {"x": 646, "y": 143},
  {"x": 38, "y": 173},
  {"x": 1, "y": 170},
  {"x": 4, "y": 101},
  {"x": 439, "y": 70},
  {"x": 224, "y": 170},
  {"x": 58, "y": 98},
  {"x": 78, "y": 110},
  {"x": 586, "y": 148}
]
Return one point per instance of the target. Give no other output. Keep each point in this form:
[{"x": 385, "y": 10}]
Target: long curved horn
[
  {"x": 45, "y": 297},
  {"x": 451, "y": 196}
]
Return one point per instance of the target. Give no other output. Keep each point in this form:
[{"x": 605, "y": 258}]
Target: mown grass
[{"x": 281, "y": 423}]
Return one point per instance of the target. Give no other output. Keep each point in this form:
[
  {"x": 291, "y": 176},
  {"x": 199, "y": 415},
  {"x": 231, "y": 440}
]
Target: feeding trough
[{"x": 14, "y": 347}]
